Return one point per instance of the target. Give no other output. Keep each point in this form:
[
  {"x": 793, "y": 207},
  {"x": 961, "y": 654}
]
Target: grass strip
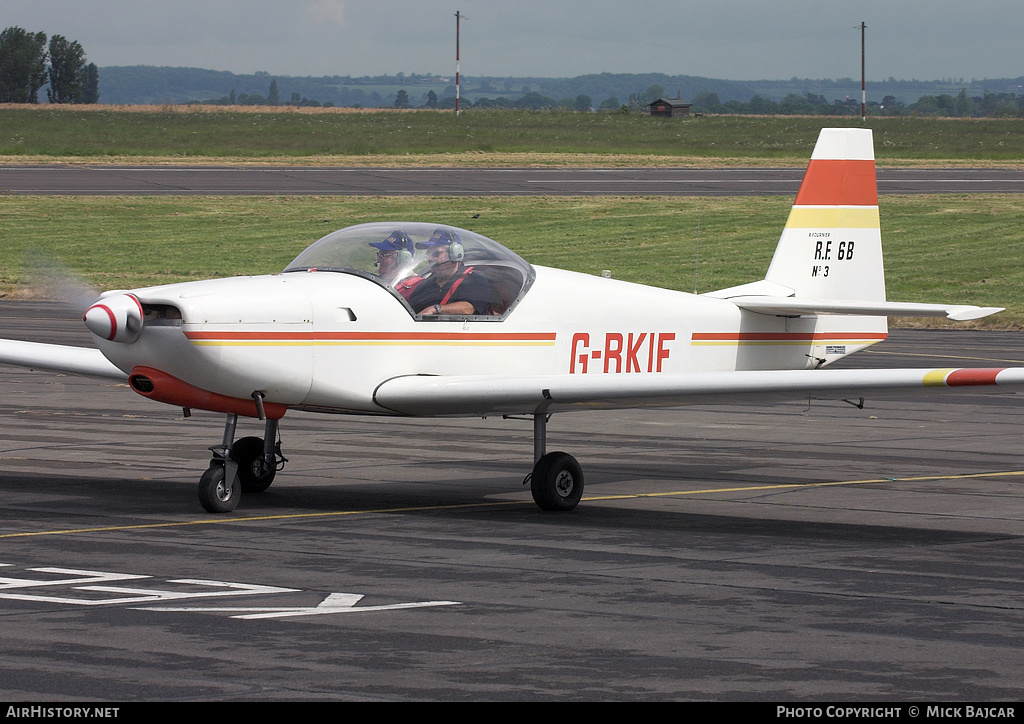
[
  {"x": 950, "y": 248},
  {"x": 494, "y": 137}
]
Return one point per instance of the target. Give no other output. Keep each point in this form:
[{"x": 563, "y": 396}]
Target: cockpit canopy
[{"x": 395, "y": 255}]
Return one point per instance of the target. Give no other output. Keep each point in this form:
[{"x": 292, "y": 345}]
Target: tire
[
  {"x": 253, "y": 471},
  {"x": 216, "y": 495},
  {"x": 557, "y": 482}
]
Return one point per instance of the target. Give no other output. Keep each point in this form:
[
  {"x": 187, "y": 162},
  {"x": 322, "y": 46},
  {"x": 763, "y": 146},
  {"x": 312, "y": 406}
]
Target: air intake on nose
[{"x": 141, "y": 384}]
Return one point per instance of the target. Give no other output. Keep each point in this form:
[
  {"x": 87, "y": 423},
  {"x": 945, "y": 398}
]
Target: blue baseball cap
[
  {"x": 440, "y": 237},
  {"x": 398, "y": 241}
]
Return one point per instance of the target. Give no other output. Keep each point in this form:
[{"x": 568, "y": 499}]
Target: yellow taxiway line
[{"x": 462, "y": 506}]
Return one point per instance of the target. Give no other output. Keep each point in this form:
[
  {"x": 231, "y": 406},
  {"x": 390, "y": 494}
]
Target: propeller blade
[{"x": 52, "y": 279}]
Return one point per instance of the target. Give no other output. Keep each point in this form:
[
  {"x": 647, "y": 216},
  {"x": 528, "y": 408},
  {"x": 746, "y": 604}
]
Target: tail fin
[
  {"x": 831, "y": 247},
  {"x": 829, "y": 257}
]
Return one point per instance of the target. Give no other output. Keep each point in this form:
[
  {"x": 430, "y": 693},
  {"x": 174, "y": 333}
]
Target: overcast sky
[{"x": 731, "y": 39}]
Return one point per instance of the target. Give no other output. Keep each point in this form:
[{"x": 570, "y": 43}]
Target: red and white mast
[{"x": 458, "y": 18}]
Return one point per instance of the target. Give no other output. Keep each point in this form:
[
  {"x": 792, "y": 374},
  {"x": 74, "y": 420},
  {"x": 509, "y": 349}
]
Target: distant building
[{"x": 669, "y": 107}]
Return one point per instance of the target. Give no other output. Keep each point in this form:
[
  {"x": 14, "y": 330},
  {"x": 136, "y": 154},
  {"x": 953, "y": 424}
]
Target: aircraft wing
[
  {"x": 58, "y": 358},
  {"x": 488, "y": 395}
]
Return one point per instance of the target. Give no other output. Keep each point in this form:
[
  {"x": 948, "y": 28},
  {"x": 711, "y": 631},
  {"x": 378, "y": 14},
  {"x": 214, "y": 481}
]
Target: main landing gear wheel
[
  {"x": 253, "y": 471},
  {"x": 557, "y": 482},
  {"x": 216, "y": 493}
]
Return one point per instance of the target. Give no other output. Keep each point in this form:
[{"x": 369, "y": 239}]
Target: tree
[
  {"x": 653, "y": 93},
  {"x": 67, "y": 71},
  {"x": 535, "y": 101},
  {"x": 925, "y": 105},
  {"x": 762, "y": 106},
  {"x": 402, "y": 99},
  {"x": 22, "y": 65},
  {"x": 274, "y": 97},
  {"x": 890, "y": 106},
  {"x": 91, "y": 86},
  {"x": 963, "y": 104},
  {"x": 707, "y": 102},
  {"x": 431, "y": 99},
  {"x": 794, "y": 104},
  {"x": 583, "y": 104},
  {"x": 500, "y": 102}
]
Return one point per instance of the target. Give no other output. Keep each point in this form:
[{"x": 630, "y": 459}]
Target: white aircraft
[{"x": 418, "y": 319}]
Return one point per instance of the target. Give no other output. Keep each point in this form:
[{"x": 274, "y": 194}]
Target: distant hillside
[{"x": 157, "y": 85}]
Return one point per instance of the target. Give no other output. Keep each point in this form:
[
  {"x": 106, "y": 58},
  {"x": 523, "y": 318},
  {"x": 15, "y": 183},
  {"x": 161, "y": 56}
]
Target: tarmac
[
  {"x": 811, "y": 551},
  {"x": 156, "y": 180}
]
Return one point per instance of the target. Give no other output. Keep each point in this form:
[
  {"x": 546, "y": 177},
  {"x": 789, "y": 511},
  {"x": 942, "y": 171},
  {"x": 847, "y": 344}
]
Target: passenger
[
  {"x": 450, "y": 287},
  {"x": 394, "y": 255}
]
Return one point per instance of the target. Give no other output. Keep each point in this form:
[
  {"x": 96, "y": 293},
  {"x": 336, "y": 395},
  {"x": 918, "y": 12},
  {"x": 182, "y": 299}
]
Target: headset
[
  {"x": 392, "y": 244},
  {"x": 456, "y": 252},
  {"x": 448, "y": 240}
]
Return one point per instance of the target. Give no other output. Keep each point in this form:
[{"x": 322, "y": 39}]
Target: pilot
[
  {"x": 394, "y": 255},
  {"x": 450, "y": 287}
]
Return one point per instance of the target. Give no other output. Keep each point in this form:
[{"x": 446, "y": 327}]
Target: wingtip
[{"x": 965, "y": 314}]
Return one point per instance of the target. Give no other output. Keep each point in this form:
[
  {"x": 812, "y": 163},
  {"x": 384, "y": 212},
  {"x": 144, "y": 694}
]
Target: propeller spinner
[{"x": 117, "y": 318}]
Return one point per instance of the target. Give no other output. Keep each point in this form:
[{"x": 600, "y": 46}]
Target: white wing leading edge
[
  {"x": 530, "y": 394},
  {"x": 58, "y": 358}
]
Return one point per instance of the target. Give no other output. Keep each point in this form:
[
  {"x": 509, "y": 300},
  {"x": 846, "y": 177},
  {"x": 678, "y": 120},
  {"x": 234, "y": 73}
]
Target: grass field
[
  {"x": 963, "y": 249},
  {"x": 476, "y": 137}
]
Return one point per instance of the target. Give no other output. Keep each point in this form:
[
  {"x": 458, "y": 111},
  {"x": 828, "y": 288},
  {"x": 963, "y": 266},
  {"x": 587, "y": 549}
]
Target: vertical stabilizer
[
  {"x": 831, "y": 247},
  {"x": 825, "y": 286}
]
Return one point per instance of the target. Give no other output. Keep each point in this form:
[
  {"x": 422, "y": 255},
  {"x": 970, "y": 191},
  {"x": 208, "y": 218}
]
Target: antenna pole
[
  {"x": 458, "y": 20},
  {"x": 863, "y": 84}
]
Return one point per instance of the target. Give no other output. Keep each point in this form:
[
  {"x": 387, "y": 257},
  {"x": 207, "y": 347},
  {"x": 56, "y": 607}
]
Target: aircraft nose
[{"x": 117, "y": 318}]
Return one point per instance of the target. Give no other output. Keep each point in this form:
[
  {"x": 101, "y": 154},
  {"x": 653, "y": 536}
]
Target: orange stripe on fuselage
[
  {"x": 375, "y": 336},
  {"x": 838, "y": 183},
  {"x": 786, "y": 336}
]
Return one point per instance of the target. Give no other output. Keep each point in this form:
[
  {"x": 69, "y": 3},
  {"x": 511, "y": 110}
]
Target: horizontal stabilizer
[
  {"x": 793, "y": 306},
  {"x": 58, "y": 358}
]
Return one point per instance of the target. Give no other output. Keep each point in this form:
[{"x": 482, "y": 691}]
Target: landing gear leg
[
  {"x": 219, "y": 487},
  {"x": 258, "y": 459},
  {"x": 557, "y": 479}
]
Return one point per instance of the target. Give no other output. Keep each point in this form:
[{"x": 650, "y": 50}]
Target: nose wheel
[
  {"x": 247, "y": 465},
  {"x": 216, "y": 493}
]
